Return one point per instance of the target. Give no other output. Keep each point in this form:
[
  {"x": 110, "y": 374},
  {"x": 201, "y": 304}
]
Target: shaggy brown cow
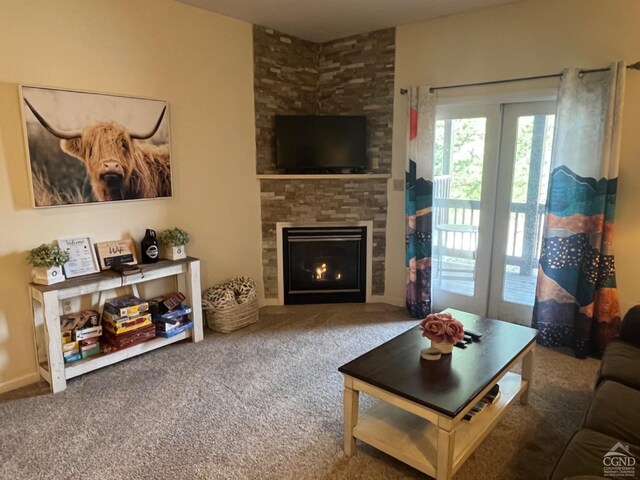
[{"x": 119, "y": 166}]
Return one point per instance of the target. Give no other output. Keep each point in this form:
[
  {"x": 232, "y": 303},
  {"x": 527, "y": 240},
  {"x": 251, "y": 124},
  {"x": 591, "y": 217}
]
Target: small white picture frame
[{"x": 82, "y": 256}]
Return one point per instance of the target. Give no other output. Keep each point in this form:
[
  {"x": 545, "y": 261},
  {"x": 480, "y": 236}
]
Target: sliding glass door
[
  {"x": 523, "y": 178},
  {"x": 466, "y": 144},
  {"x": 491, "y": 166}
]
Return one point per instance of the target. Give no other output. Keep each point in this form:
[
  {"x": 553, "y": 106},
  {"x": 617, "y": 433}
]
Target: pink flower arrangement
[{"x": 442, "y": 328}]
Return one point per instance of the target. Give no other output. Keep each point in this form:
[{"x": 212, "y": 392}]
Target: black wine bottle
[{"x": 149, "y": 247}]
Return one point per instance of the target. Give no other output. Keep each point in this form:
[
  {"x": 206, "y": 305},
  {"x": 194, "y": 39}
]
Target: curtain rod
[{"x": 633, "y": 66}]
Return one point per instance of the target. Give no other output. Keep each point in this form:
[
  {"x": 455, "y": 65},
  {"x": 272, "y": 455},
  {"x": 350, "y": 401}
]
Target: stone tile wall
[
  {"x": 285, "y": 71},
  {"x": 350, "y": 76},
  {"x": 310, "y": 201},
  {"x": 356, "y": 78}
]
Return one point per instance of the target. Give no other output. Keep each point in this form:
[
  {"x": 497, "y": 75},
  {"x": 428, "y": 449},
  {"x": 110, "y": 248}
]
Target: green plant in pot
[
  {"x": 47, "y": 261},
  {"x": 173, "y": 243}
]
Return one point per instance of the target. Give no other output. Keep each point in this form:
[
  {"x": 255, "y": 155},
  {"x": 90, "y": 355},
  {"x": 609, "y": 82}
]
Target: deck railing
[{"x": 524, "y": 235}]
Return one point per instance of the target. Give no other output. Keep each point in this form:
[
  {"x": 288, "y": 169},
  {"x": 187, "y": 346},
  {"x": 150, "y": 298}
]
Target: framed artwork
[
  {"x": 92, "y": 147},
  {"x": 116, "y": 252},
  {"x": 82, "y": 256}
]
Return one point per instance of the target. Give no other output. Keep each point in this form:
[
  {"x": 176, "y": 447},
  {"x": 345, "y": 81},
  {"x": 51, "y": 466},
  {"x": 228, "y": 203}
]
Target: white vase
[
  {"x": 47, "y": 276},
  {"x": 175, "y": 253},
  {"x": 445, "y": 348},
  {"x": 430, "y": 353}
]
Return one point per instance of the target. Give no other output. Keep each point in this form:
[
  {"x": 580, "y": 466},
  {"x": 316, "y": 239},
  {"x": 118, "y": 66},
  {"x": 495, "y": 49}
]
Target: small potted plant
[
  {"x": 47, "y": 260},
  {"x": 173, "y": 242}
]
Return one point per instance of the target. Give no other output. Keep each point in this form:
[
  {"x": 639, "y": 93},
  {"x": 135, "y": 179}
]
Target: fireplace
[{"x": 324, "y": 264}]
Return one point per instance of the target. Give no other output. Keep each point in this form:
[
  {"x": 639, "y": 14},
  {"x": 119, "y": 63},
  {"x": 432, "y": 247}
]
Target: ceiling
[{"x": 323, "y": 20}]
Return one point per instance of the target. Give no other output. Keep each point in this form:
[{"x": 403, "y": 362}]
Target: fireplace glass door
[{"x": 324, "y": 265}]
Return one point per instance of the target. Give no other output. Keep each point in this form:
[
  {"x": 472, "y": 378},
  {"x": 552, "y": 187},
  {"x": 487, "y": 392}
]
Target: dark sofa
[{"x": 608, "y": 443}]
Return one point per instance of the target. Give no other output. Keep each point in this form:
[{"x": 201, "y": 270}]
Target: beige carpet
[{"x": 261, "y": 403}]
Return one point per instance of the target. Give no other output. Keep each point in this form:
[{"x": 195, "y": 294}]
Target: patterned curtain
[
  {"x": 576, "y": 299},
  {"x": 419, "y": 200}
]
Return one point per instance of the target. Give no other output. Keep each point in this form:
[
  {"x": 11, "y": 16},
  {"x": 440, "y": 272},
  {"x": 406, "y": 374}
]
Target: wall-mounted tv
[{"x": 321, "y": 143}]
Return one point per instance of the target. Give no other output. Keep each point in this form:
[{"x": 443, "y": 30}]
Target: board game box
[
  {"x": 175, "y": 331},
  {"x": 72, "y": 358},
  {"x": 174, "y": 316},
  {"x": 126, "y": 306},
  {"x": 127, "y": 324},
  {"x": 84, "y": 333},
  {"x": 167, "y": 326},
  {"x": 130, "y": 338},
  {"x": 76, "y": 320},
  {"x": 166, "y": 303}
]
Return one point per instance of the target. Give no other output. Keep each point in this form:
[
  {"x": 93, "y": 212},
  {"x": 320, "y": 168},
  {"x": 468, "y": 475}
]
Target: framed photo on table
[{"x": 82, "y": 256}]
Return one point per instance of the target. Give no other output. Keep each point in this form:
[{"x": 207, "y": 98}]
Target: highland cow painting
[{"x": 89, "y": 147}]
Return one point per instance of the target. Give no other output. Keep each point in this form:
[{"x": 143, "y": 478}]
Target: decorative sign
[
  {"x": 117, "y": 252},
  {"x": 82, "y": 257}
]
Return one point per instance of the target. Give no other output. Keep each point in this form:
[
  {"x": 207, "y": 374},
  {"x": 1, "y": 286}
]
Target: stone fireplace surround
[
  {"x": 349, "y": 76},
  {"x": 326, "y": 202}
]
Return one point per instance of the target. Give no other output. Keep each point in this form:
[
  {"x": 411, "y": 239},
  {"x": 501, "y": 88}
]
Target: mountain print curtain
[
  {"x": 419, "y": 200},
  {"x": 576, "y": 298}
]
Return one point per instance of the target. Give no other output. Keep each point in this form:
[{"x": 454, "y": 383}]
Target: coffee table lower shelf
[{"x": 414, "y": 441}]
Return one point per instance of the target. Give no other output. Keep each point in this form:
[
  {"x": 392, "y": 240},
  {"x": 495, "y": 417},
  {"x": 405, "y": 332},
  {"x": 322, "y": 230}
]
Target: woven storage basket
[{"x": 231, "y": 318}]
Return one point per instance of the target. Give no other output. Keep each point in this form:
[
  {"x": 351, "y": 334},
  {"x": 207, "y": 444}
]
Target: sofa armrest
[{"x": 630, "y": 328}]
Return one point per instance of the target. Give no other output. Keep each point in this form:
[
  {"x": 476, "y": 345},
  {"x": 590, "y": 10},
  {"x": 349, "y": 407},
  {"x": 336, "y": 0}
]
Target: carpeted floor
[{"x": 264, "y": 402}]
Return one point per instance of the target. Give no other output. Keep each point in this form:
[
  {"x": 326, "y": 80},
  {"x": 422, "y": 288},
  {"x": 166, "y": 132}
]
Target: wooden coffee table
[{"x": 420, "y": 418}]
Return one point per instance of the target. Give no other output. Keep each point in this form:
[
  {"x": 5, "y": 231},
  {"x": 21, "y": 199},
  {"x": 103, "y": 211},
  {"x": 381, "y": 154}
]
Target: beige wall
[
  {"x": 523, "y": 39},
  {"x": 201, "y": 63}
]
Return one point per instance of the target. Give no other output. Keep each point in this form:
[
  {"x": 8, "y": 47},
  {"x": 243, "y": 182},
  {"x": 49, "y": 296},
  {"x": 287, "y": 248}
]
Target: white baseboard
[
  {"x": 23, "y": 381},
  {"x": 268, "y": 302},
  {"x": 398, "y": 302}
]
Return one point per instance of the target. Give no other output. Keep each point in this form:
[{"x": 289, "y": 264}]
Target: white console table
[{"x": 47, "y": 306}]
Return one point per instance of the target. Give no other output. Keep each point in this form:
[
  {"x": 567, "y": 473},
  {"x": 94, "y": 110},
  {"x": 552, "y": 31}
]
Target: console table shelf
[{"x": 47, "y": 307}]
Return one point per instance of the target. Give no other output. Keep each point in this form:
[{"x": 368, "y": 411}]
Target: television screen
[{"x": 320, "y": 143}]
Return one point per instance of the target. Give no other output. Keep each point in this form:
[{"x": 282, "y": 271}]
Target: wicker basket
[{"x": 228, "y": 319}]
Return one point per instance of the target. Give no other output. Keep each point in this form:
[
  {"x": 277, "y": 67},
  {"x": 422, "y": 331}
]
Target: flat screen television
[{"x": 321, "y": 143}]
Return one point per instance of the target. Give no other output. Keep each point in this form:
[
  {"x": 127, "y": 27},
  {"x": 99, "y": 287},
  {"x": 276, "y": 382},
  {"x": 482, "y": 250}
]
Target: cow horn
[
  {"x": 144, "y": 136},
  {"x": 67, "y": 135}
]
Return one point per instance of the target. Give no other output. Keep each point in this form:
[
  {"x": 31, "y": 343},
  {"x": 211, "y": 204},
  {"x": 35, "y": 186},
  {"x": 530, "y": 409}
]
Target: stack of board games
[
  {"x": 170, "y": 315},
  {"x": 126, "y": 321},
  {"x": 80, "y": 332},
  {"x": 488, "y": 399}
]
